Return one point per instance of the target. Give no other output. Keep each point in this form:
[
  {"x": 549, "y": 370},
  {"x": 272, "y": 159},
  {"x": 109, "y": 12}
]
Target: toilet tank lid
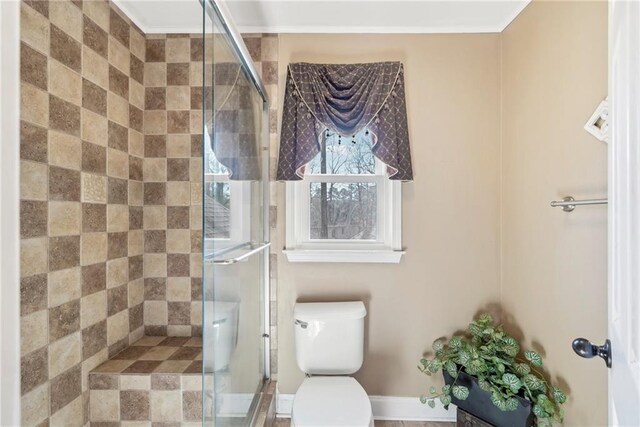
[{"x": 310, "y": 311}]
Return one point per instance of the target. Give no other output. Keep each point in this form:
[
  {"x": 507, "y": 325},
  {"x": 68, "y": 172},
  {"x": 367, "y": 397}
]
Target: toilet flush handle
[{"x": 302, "y": 324}]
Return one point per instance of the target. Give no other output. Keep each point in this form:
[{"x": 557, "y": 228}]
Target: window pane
[
  {"x": 343, "y": 211},
  {"x": 217, "y": 210},
  {"x": 212, "y": 165},
  {"x": 344, "y": 155}
]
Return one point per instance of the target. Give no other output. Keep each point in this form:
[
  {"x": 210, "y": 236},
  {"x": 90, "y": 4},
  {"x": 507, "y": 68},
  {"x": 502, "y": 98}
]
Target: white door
[{"x": 624, "y": 212}]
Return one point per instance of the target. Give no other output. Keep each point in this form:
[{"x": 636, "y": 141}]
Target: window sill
[{"x": 346, "y": 256}]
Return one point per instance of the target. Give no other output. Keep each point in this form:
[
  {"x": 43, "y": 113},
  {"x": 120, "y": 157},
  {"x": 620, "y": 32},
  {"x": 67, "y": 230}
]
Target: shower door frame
[{"x": 216, "y": 9}]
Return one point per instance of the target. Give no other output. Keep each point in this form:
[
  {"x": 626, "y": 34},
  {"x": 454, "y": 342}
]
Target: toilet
[
  {"x": 329, "y": 342},
  {"x": 221, "y": 329}
]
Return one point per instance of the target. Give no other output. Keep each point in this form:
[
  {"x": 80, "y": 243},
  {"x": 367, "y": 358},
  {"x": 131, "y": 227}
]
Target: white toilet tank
[{"x": 329, "y": 337}]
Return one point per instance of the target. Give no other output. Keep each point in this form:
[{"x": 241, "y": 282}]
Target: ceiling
[{"x": 345, "y": 16}]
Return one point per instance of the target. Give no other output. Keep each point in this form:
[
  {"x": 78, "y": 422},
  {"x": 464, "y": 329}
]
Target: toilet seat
[{"x": 331, "y": 402}]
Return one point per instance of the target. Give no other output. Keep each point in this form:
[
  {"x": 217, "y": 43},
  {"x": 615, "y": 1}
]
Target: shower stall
[{"x": 235, "y": 312}]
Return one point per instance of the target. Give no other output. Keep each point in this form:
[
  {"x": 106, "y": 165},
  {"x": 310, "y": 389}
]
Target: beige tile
[
  {"x": 67, "y": 17},
  {"x": 196, "y": 217},
  {"x": 196, "y": 313},
  {"x": 33, "y": 181},
  {"x": 64, "y": 150},
  {"x": 90, "y": 364},
  {"x": 105, "y": 405},
  {"x": 135, "y": 382},
  {"x": 137, "y": 44},
  {"x": 178, "y": 49},
  {"x": 155, "y": 313},
  {"x": 118, "y": 109},
  {"x": 117, "y": 327},
  {"x": 136, "y": 94},
  {"x": 95, "y": 67},
  {"x": 117, "y": 218},
  {"x": 155, "y": 265},
  {"x": 178, "y": 98},
  {"x": 136, "y": 143},
  {"x": 70, "y": 415},
  {"x": 117, "y": 272},
  {"x": 93, "y": 308},
  {"x": 155, "y": 122},
  {"x": 119, "y": 55},
  {"x": 64, "y": 286},
  {"x": 269, "y": 51},
  {"x": 166, "y": 405},
  {"x": 136, "y": 193},
  {"x": 34, "y": 331},
  {"x": 179, "y": 241},
  {"x": 136, "y": 242},
  {"x": 65, "y": 83},
  {"x": 155, "y": 74},
  {"x": 178, "y": 193},
  {"x": 191, "y": 382},
  {"x": 196, "y": 265},
  {"x": 179, "y": 330},
  {"x": 94, "y": 188},
  {"x": 179, "y": 288},
  {"x": 64, "y": 218},
  {"x": 117, "y": 163},
  {"x": 195, "y": 74},
  {"x": 94, "y": 127},
  {"x": 155, "y": 217},
  {"x": 99, "y": 12},
  {"x": 178, "y": 145},
  {"x": 150, "y": 341},
  {"x": 136, "y": 292},
  {"x": 34, "y": 105},
  {"x": 155, "y": 170},
  {"x": 34, "y": 28},
  {"x": 93, "y": 248},
  {"x": 64, "y": 354},
  {"x": 196, "y": 193},
  {"x": 35, "y": 404},
  {"x": 33, "y": 256},
  {"x": 196, "y": 122}
]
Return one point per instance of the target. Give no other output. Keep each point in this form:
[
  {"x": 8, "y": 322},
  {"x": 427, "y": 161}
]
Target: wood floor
[{"x": 285, "y": 422}]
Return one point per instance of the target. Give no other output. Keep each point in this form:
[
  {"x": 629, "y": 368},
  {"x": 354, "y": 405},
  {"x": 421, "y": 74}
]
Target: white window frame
[
  {"x": 387, "y": 248},
  {"x": 239, "y": 207}
]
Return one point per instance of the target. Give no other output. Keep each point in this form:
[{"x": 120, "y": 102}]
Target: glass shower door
[{"x": 234, "y": 227}]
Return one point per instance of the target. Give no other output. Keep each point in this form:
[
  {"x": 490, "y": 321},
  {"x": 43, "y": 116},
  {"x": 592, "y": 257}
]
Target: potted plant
[{"x": 488, "y": 376}]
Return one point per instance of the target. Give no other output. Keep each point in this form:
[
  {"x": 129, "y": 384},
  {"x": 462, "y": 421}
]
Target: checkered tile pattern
[
  {"x": 82, "y": 101},
  {"x": 173, "y": 185}
]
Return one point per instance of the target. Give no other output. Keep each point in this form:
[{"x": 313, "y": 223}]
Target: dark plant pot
[{"x": 479, "y": 404}]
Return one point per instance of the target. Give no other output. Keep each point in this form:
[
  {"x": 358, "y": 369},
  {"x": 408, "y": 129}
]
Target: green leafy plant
[{"x": 495, "y": 359}]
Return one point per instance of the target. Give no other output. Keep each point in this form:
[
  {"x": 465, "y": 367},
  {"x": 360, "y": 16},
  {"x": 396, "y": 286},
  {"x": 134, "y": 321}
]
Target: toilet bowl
[
  {"x": 329, "y": 341},
  {"x": 331, "y": 401}
]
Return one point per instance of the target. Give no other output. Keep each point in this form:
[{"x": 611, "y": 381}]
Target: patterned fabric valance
[
  {"x": 233, "y": 131},
  {"x": 344, "y": 99}
]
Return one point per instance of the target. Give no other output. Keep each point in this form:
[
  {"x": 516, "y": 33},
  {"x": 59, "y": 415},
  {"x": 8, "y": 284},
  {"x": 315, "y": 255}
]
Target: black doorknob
[{"x": 584, "y": 348}]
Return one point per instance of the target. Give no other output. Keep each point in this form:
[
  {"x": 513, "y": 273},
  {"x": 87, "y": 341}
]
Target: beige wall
[
  {"x": 554, "y": 283},
  {"x": 450, "y": 211}
]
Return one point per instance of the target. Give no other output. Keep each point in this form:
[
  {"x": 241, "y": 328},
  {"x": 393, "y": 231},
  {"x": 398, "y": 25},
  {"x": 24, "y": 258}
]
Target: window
[
  {"x": 345, "y": 209},
  {"x": 226, "y": 205}
]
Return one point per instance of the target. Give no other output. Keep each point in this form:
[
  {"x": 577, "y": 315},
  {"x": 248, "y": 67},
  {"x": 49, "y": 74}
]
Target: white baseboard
[{"x": 386, "y": 408}]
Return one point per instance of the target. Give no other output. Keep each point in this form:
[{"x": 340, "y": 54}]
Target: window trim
[{"x": 387, "y": 248}]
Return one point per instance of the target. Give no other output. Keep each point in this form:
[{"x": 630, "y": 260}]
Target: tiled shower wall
[
  {"x": 173, "y": 185},
  {"x": 82, "y": 68},
  {"x": 111, "y": 162}
]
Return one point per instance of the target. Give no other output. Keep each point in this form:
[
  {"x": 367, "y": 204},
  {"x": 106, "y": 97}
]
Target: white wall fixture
[{"x": 598, "y": 123}]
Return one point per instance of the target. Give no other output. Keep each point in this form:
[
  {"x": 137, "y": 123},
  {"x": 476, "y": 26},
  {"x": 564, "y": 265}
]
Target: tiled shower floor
[{"x": 157, "y": 355}]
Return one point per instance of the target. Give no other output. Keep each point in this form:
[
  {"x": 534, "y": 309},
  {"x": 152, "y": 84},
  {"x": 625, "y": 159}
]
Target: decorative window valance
[
  {"x": 344, "y": 99},
  {"x": 231, "y": 124}
]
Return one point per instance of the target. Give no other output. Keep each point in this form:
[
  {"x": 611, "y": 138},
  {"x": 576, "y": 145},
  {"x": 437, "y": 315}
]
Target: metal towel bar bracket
[{"x": 568, "y": 204}]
